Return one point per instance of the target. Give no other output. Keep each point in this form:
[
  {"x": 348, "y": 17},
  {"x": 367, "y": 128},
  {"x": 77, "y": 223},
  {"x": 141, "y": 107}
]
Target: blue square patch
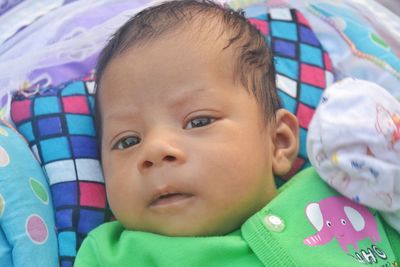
[
  {"x": 303, "y": 141},
  {"x": 55, "y": 149},
  {"x": 74, "y": 88},
  {"x": 288, "y": 102},
  {"x": 310, "y": 95},
  {"x": 65, "y": 194},
  {"x": 89, "y": 219},
  {"x": 26, "y": 130},
  {"x": 287, "y": 67},
  {"x": 284, "y": 48},
  {"x": 80, "y": 124},
  {"x": 84, "y": 147},
  {"x": 49, "y": 126},
  {"x": 46, "y": 105},
  {"x": 311, "y": 55},
  {"x": 284, "y": 30},
  {"x": 67, "y": 243},
  {"x": 64, "y": 217},
  {"x": 307, "y": 36}
]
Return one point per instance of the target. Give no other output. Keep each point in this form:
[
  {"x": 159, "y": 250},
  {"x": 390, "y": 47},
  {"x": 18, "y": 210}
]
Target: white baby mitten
[{"x": 354, "y": 144}]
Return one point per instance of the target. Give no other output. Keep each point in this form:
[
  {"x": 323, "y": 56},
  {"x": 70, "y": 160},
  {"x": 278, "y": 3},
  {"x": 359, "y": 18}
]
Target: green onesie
[{"x": 307, "y": 224}]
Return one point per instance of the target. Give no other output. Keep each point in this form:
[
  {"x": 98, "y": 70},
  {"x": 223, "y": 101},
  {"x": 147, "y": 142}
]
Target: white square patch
[
  {"x": 90, "y": 85},
  {"x": 328, "y": 78},
  {"x": 60, "y": 171},
  {"x": 287, "y": 85},
  {"x": 280, "y": 14},
  {"x": 89, "y": 170},
  {"x": 36, "y": 153}
]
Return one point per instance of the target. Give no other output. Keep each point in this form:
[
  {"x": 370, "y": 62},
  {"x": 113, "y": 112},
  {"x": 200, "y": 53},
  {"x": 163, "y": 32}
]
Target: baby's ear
[{"x": 286, "y": 142}]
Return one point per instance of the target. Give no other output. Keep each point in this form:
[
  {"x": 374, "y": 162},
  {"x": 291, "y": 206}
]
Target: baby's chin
[
  {"x": 192, "y": 232},
  {"x": 200, "y": 222},
  {"x": 189, "y": 229}
]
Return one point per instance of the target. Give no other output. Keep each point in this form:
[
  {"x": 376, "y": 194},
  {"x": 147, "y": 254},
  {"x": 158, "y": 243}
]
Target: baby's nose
[
  {"x": 149, "y": 163},
  {"x": 159, "y": 151}
]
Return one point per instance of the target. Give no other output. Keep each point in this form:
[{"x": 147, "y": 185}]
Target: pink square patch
[
  {"x": 92, "y": 194},
  {"x": 304, "y": 115},
  {"x": 312, "y": 75},
  {"x": 21, "y": 110},
  {"x": 301, "y": 19},
  {"x": 327, "y": 60},
  {"x": 261, "y": 25},
  {"x": 76, "y": 104}
]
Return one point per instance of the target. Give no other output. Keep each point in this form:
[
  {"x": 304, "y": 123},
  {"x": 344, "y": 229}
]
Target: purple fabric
[
  {"x": 63, "y": 73},
  {"x": 7, "y": 5},
  {"x": 95, "y": 17},
  {"x": 66, "y": 72}
]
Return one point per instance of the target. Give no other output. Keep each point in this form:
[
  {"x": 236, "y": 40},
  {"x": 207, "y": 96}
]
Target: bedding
[
  {"x": 27, "y": 229},
  {"x": 362, "y": 40},
  {"x": 23, "y": 13},
  {"x": 7, "y": 5},
  {"x": 59, "y": 46}
]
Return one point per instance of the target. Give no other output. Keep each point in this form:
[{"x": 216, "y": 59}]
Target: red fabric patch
[
  {"x": 76, "y": 104},
  {"x": 261, "y": 25},
  {"x": 312, "y": 75},
  {"x": 301, "y": 19},
  {"x": 92, "y": 194},
  {"x": 20, "y": 110},
  {"x": 304, "y": 115},
  {"x": 328, "y": 63}
]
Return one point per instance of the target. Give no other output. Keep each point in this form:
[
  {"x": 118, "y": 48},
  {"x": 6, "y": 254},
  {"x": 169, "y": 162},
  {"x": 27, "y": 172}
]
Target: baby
[{"x": 192, "y": 134}]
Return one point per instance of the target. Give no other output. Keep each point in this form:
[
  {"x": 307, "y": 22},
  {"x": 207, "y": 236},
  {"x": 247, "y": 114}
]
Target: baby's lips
[{"x": 170, "y": 198}]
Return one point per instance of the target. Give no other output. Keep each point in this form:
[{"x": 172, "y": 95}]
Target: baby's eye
[
  {"x": 127, "y": 142},
  {"x": 199, "y": 122}
]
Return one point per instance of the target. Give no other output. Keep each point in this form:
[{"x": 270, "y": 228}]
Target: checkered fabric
[
  {"x": 303, "y": 68},
  {"x": 59, "y": 127}
]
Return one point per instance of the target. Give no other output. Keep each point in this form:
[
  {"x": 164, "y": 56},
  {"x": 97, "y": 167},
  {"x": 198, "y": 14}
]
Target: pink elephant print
[{"x": 342, "y": 218}]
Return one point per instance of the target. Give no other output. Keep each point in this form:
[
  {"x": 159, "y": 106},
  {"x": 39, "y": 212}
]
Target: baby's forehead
[{"x": 194, "y": 37}]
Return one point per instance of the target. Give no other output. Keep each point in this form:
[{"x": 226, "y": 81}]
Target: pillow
[
  {"x": 27, "y": 232},
  {"x": 362, "y": 39},
  {"x": 303, "y": 68},
  {"x": 59, "y": 126}
]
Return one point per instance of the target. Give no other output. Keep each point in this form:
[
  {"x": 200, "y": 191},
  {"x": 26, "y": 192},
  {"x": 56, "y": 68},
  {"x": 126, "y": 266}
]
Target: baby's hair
[{"x": 253, "y": 65}]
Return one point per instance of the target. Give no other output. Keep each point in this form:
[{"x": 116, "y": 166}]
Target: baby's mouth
[{"x": 167, "y": 198}]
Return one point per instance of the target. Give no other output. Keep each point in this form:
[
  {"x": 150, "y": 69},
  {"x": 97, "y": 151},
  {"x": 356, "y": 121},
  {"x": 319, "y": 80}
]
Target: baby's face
[{"x": 185, "y": 149}]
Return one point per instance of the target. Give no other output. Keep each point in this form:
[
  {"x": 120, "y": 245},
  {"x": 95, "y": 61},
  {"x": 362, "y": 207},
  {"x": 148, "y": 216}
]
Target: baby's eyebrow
[
  {"x": 121, "y": 114},
  {"x": 175, "y": 101},
  {"x": 187, "y": 96},
  {"x": 114, "y": 122}
]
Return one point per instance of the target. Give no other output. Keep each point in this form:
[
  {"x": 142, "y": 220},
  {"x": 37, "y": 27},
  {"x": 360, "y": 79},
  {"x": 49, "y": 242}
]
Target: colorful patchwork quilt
[{"x": 303, "y": 68}]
